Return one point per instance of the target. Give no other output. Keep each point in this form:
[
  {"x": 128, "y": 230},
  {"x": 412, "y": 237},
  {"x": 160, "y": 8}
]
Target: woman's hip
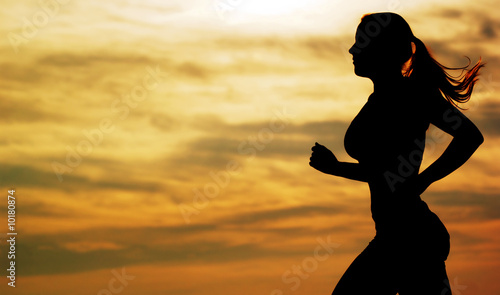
[{"x": 419, "y": 231}]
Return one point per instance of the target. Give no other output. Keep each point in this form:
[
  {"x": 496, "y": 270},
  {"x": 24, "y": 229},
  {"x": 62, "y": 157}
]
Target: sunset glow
[{"x": 167, "y": 142}]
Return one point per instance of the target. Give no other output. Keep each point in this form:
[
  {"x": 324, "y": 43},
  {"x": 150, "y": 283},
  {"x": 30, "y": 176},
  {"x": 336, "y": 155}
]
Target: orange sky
[{"x": 167, "y": 143}]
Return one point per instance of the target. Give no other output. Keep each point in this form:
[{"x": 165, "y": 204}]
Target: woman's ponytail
[{"x": 425, "y": 70}]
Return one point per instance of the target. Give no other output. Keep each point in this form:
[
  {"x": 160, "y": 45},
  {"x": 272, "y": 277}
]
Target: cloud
[
  {"x": 63, "y": 60},
  {"x": 484, "y": 114},
  {"x": 449, "y": 12},
  {"x": 90, "y": 246},
  {"x": 215, "y": 125},
  {"x": 26, "y": 176},
  {"x": 473, "y": 206},
  {"x": 194, "y": 70},
  {"x": 228, "y": 142},
  {"x": 218, "y": 241},
  {"x": 40, "y": 209},
  {"x": 274, "y": 215},
  {"x": 22, "y": 112},
  {"x": 164, "y": 122},
  {"x": 489, "y": 29},
  {"x": 108, "y": 248}
]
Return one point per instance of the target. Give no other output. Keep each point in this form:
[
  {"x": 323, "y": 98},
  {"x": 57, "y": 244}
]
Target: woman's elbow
[
  {"x": 471, "y": 136},
  {"x": 475, "y": 137},
  {"x": 480, "y": 138}
]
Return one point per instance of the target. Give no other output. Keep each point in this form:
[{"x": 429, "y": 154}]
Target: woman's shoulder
[
  {"x": 429, "y": 104},
  {"x": 424, "y": 96}
]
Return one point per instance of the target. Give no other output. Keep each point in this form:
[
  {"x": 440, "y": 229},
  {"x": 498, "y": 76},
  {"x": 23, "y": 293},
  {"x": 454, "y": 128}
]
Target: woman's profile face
[
  {"x": 380, "y": 47},
  {"x": 367, "y": 53}
]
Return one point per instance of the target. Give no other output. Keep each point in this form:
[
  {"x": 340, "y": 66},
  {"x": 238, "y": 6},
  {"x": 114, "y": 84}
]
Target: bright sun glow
[{"x": 269, "y": 7}]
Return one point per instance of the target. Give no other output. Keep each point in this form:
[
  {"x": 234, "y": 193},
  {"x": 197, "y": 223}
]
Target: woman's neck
[{"x": 387, "y": 82}]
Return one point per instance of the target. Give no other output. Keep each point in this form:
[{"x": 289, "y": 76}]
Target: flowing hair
[{"x": 424, "y": 69}]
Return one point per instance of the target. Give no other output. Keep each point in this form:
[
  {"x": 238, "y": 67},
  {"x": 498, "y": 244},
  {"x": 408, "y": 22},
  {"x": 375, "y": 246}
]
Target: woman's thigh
[
  {"x": 386, "y": 268},
  {"x": 425, "y": 277},
  {"x": 370, "y": 273}
]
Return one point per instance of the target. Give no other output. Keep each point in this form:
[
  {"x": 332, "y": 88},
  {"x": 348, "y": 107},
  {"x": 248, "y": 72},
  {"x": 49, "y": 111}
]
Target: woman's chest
[{"x": 380, "y": 128}]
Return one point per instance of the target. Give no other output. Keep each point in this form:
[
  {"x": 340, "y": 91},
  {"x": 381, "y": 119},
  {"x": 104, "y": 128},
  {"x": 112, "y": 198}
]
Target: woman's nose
[{"x": 354, "y": 50}]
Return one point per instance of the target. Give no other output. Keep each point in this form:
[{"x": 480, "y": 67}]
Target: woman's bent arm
[
  {"x": 322, "y": 159},
  {"x": 456, "y": 154},
  {"x": 466, "y": 139},
  {"x": 352, "y": 171}
]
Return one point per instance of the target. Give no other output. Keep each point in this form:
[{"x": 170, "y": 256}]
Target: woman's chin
[{"x": 359, "y": 72}]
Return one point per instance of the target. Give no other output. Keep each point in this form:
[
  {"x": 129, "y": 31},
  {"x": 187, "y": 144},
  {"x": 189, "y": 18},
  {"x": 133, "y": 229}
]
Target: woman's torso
[{"x": 387, "y": 137}]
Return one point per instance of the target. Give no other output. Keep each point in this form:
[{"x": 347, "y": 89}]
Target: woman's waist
[
  {"x": 391, "y": 183},
  {"x": 393, "y": 207},
  {"x": 410, "y": 217},
  {"x": 400, "y": 208}
]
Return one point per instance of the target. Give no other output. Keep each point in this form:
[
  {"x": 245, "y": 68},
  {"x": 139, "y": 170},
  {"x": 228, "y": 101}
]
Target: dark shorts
[{"x": 406, "y": 257}]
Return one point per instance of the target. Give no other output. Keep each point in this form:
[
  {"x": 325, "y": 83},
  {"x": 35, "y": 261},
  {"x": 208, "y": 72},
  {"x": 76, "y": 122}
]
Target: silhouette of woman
[{"x": 387, "y": 137}]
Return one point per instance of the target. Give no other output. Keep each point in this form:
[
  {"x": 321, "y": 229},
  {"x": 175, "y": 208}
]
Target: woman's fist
[{"x": 323, "y": 159}]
